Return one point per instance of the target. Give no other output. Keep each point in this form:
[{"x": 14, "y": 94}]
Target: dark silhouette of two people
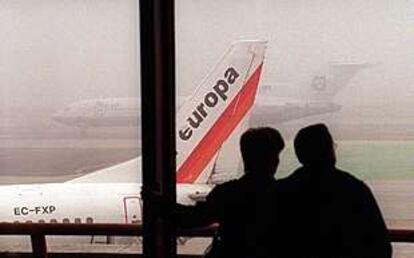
[{"x": 317, "y": 212}]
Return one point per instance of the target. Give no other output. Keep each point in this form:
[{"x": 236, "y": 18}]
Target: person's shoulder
[
  {"x": 350, "y": 180},
  {"x": 347, "y": 176}
]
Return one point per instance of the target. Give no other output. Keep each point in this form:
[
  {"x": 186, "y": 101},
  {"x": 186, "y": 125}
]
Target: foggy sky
[{"x": 53, "y": 52}]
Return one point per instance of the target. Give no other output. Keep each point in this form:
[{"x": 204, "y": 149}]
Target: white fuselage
[{"x": 80, "y": 203}]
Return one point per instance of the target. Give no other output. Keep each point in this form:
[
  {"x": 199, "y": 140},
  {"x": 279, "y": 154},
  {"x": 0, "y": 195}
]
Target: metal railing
[{"x": 38, "y": 232}]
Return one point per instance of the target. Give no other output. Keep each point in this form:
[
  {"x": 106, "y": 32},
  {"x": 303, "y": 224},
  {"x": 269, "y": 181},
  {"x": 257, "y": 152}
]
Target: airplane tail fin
[
  {"x": 216, "y": 109},
  {"x": 206, "y": 120},
  {"x": 326, "y": 84}
]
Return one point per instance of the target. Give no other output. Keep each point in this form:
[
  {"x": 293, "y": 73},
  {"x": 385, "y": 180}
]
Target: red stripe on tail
[{"x": 196, "y": 162}]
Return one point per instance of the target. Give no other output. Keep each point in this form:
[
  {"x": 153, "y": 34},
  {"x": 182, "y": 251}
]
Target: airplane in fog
[
  {"x": 217, "y": 110},
  {"x": 270, "y": 107}
]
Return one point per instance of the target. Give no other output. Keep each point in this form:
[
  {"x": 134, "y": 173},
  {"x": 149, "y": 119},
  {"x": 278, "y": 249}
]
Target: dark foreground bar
[
  {"x": 401, "y": 235},
  {"x": 158, "y": 122},
  {"x": 39, "y": 231},
  {"x": 396, "y": 235}
]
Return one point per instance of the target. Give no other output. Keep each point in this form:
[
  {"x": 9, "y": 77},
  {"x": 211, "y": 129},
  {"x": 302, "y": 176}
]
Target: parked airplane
[
  {"x": 213, "y": 116},
  {"x": 269, "y": 108}
]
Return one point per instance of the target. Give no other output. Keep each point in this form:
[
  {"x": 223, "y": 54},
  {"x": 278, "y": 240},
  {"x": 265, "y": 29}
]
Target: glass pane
[{"x": 69, "y": 110}]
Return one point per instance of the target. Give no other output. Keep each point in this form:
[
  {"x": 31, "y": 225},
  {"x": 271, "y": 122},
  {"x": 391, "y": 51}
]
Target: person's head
[
  {"x": 260, "y": 148},
  {"x": 314, "y": 146}
]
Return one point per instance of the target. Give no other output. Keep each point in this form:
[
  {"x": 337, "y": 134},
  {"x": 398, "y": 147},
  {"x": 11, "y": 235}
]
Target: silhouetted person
[
  {"x": 328, "y": 212},
  {"x": 245, "y": 209}
]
